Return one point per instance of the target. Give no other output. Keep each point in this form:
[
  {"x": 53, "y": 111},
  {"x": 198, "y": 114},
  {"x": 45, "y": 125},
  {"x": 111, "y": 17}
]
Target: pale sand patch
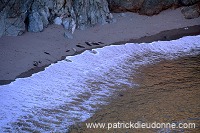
[{"x": 17, "y": 54}]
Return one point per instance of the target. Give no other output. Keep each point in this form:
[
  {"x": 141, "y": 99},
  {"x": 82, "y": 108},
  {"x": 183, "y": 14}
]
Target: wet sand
[
  {"x": 168, "y": 92},
  {"x": 19, "y": 54}
]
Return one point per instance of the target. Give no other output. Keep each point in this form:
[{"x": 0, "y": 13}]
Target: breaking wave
[{"x": 71, "y": 90}]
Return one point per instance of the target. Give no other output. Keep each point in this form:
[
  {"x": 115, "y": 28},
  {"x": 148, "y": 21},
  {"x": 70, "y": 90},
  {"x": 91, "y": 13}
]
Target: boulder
[
  {"x": 191, "y": 12},
  {"x": 44, "y": 14},
  {"x": 188, "y": 2},
  {"x": 90, "y": 12},
  {"x": 58, "y": 20},
  {"x": 13, "y": 14},
  {"x": 147, "y": 7},
  {"x": 125, "y": 5},
  {"x": 35, "y": 22},
  {"x": 68, "y": 35},
  {"x": 14, "y": 26},
  {"x": 38, "y": 16},
  {"x": 2, "y": 23},
  {"x": 66, "y": 23},
  {"x": 151, "y": 7}
]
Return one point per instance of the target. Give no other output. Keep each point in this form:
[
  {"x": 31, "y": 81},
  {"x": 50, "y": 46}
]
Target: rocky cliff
[
  {"x": 34, "y": 15},
  {"x": 17, "y": 16}
]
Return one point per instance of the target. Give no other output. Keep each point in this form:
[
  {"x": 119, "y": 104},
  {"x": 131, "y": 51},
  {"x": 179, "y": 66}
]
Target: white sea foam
[{"x": 68, "y": 92}]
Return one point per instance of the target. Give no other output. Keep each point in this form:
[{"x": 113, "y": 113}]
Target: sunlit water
[{"x": 71, "y": 90}]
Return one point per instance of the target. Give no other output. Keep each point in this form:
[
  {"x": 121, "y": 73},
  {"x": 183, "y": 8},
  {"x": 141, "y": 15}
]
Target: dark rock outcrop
[
  {"x": 191, "y": 12},
  {"x": 12, "y": 16},
  {"x": 125, "y": 5},
  {"x": 16, "y": 15},
  {"x": 90, "y": 12},
  {"x": 188, "y": 2},
  {"x": 151, "y": 7},
  {"x": 147, "y": 7}
]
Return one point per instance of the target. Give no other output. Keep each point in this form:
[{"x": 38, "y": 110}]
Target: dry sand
[
  {"x": 17, "y": 54},
  {"x": 168, "y": 92}
]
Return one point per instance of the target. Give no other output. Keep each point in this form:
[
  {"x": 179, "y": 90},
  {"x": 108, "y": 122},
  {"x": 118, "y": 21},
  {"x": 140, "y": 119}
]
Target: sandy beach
[
  {"x": 129, "y": 80},
  {"x": 168, "y": 92},
  {"x": 18, "y": 55}
]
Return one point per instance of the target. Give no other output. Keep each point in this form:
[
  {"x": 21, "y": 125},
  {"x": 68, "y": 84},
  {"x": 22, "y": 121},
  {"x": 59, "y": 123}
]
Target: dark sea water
[{"x": 73, "y": 89}]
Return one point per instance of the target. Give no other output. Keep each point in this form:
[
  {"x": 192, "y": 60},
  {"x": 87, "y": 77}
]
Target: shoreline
[
  {"x": 166, "y": 98},
  {"x": 81, "y": 85},
  {"x": 162, "y": 36},
  {"x": 18, "y": 53}
]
